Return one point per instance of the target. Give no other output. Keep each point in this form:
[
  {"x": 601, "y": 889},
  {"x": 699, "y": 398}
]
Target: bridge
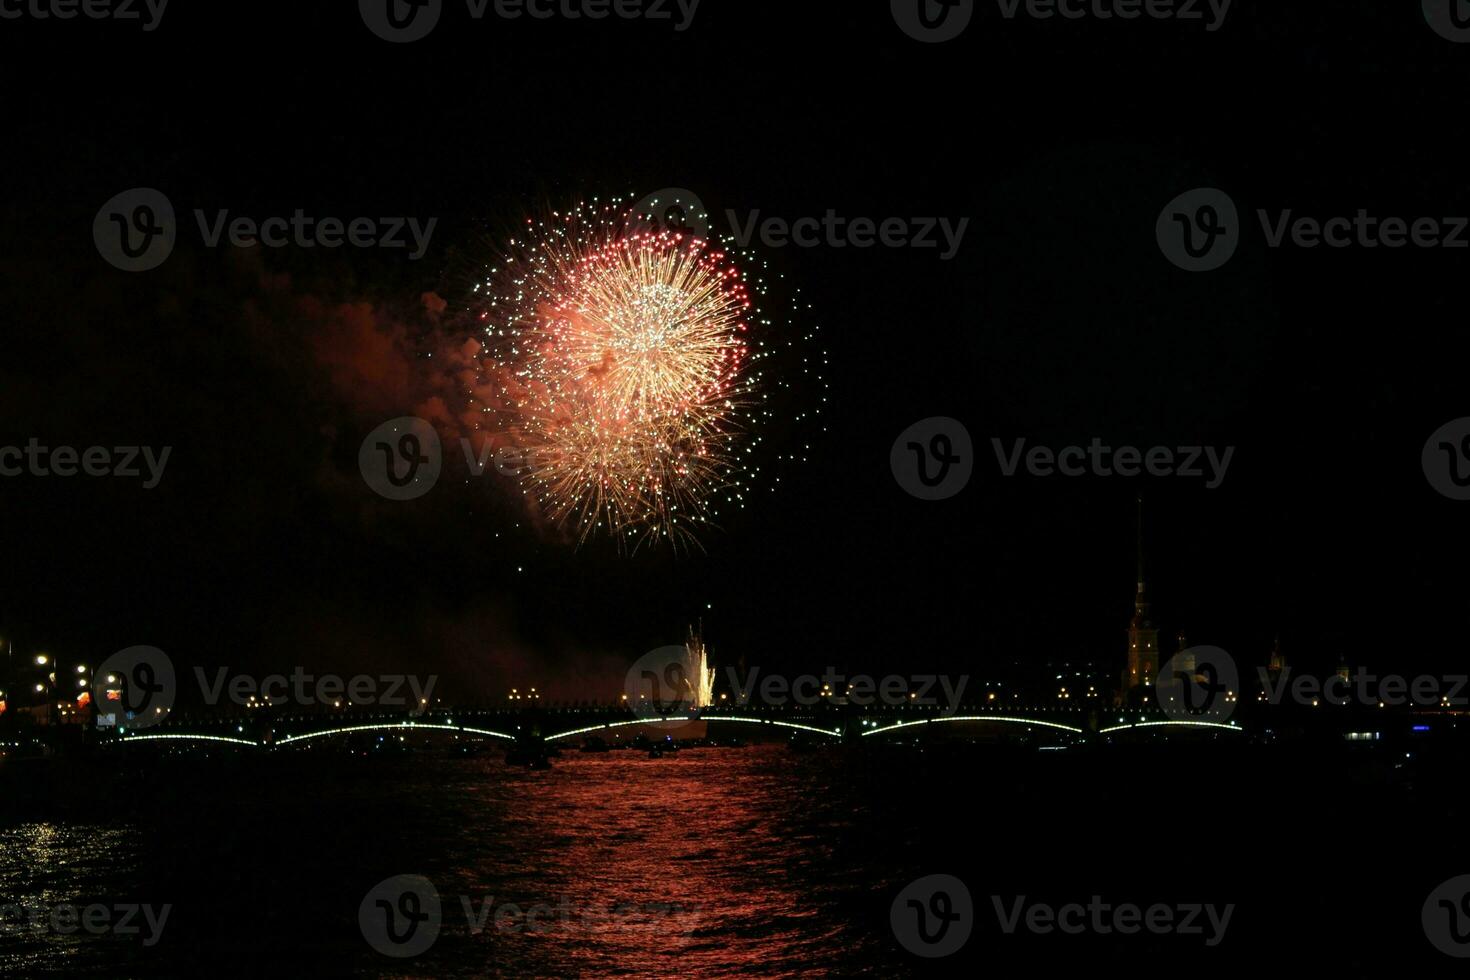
[{"x": 560, "y": 726}]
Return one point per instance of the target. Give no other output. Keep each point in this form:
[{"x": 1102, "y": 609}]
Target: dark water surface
[
  {"x": 699, "y": 863},
  {"x": 726, "y": 862}
]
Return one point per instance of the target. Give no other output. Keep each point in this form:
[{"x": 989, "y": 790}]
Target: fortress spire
[
  {"x": 1140, "y": 544},
  {"x": 1143, "y": 639}
]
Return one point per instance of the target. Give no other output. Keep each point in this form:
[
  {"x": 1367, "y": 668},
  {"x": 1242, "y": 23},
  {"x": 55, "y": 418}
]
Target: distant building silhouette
[
  {"x": 1184, "y": 660},
  {"x": 1277, "y": 664},
  {"x": 1143, "y": 637}
]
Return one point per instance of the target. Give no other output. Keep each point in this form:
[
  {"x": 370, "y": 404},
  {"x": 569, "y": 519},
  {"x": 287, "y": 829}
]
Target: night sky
[{"x": 1059, "y": 320}]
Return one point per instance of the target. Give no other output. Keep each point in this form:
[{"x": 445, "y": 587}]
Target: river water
[
  {"x": 758, "y": 861},
  {"x": 698, "y": 863}
]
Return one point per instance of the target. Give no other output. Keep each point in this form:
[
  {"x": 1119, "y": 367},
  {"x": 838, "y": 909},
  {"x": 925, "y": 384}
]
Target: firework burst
[{"x": 625, "y": 374}]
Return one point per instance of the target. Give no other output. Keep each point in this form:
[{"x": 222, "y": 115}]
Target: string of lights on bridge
[{"x": 449, "y": 726}]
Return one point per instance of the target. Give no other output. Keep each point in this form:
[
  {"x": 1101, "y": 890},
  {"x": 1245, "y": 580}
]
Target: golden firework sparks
[{"x": 628, "y": 372}]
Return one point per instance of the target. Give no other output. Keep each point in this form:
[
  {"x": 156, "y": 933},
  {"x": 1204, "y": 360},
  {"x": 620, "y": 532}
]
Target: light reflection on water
[
  {"x": 722, "y": 862},
  {"x": 705, "y": 862},
  {"x": 47, "y": 864},
  {"x": 739, "y": 843}
]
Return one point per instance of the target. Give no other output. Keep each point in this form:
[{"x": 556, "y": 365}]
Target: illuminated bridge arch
[
  {"x": 606, "y": 726},
  {"x": 172, "y": 736},
  {"x": 1219, "y": 726},
  {"x": 1004, "y": 719},
  {"x": 401, "y": 726}
]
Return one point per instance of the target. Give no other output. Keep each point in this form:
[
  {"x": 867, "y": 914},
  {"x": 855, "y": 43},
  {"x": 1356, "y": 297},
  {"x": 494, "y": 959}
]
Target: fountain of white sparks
[{"x": 699, "y": 676}]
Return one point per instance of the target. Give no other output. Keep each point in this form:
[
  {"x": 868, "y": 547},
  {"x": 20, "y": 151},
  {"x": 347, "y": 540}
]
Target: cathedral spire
[
  {"x": 1140, "y": 544},
  {"x": 1143, "y": 638}
]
